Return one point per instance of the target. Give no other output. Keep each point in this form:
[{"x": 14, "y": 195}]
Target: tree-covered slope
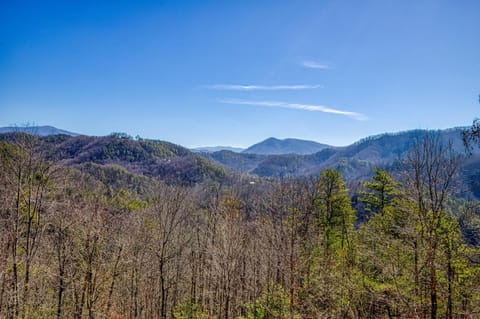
[
  {"x": 354, "y": 161},
  {"x": 150, "y": 158}
]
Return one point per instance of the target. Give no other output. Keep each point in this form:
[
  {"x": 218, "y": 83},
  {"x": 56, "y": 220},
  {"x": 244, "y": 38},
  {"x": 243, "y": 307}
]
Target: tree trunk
[
  {"x": 433, "y": 285},
  {"x": 114, "y": 277}
]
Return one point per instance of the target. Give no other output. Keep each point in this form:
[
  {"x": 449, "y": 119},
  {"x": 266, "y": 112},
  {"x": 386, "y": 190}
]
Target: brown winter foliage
[{"x": 73, "y": 245}]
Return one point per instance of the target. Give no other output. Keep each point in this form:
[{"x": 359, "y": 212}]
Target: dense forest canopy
[{"x": 182, "y": 238}]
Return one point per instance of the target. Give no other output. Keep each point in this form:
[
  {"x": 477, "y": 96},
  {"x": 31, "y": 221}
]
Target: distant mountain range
[
  {"x": 271, "y": 146},
  {"x": 274, "y": 146},
  {"x": 211, "y": 149},
  {"x": 158, "y": 159},
  {"x": 36, "y": 130},
  {"x": 355, "y": 161}
]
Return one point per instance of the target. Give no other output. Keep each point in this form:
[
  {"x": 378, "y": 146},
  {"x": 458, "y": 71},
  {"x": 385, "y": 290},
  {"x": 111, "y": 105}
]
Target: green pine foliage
[{"x": 107, "y": 240}]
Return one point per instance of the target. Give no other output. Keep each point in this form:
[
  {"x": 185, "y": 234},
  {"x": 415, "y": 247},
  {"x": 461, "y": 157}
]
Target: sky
[{"x": 200, "y": 73}]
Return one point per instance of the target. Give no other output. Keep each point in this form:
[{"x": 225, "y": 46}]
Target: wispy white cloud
[
  {"x": 237, "y": 87},
  {"x": 315, "y": 65},
  {"x": 297, "y": 106}
]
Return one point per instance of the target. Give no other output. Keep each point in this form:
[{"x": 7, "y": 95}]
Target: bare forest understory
[{"x": 74, "y": 247}]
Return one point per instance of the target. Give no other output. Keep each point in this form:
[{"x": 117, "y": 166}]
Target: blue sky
[{"x": 236, "y": 72}]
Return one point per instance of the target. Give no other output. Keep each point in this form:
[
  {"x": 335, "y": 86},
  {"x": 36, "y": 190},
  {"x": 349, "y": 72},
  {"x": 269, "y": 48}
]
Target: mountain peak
[
  {"x": 275, "y": 146},
  {"x": 211, "y": 149},
  {"x": 43, "y": 130}
]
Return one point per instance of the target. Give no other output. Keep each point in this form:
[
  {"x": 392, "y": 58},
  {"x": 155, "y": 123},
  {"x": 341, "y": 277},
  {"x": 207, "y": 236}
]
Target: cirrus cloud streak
[
  {"x": 239, "y": 87},
  {"x": 315, "y": 65},
  {"x": 297, "y": 106}
]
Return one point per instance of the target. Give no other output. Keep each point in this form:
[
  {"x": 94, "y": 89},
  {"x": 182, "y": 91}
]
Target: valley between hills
[{"x": 121, "y": 227}]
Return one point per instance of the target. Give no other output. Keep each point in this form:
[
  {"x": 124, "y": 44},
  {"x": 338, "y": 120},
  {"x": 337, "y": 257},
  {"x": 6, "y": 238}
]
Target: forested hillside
[
  {"x": 119, "y": 152},
  {"x": 99, "y": 228},
  {"x": 356, "y": 162}
]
